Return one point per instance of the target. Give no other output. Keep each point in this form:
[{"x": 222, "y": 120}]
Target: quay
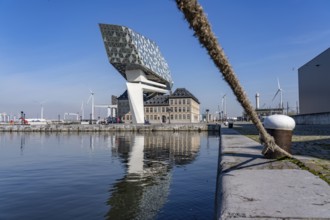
[
  {"x": 111, "y": 127},
  {"x": 252, "y": 187}
]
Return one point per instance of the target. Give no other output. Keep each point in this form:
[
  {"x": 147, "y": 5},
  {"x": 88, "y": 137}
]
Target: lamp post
[
  {"x": 207, "y": 115},
  {"x": 22, "y": 118},
  {"x": 169, "y": 110}
]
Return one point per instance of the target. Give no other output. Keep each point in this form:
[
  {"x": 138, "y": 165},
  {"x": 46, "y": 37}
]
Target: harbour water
[{"x": 158, "y": 175}]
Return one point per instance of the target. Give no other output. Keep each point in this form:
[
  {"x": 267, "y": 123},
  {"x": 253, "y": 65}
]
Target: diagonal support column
[
  {"x": 135, "y": 96},
  {"x": 136, "y": 85}
]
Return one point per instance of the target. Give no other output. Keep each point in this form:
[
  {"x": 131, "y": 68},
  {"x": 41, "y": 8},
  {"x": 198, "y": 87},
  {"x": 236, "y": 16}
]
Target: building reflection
[{"x": 148, "y": 159}]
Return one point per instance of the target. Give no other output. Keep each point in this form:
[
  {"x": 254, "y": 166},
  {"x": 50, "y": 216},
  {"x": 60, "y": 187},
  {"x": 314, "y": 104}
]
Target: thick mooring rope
[{"x": 198, "y": 21}]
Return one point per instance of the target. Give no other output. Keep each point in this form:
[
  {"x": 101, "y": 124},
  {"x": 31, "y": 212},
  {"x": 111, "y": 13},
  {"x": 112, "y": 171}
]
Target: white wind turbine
[
  {"x": 82, "y": 110},
  {"x": 41, "y": 109},
  {"x": 91, "y": 97},
  {"x": 279, "y": 91},
  {"x": 224, "y": 107}
]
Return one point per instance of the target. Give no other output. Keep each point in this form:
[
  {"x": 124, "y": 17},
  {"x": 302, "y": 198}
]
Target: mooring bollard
[{"x": 281, "y": 128}]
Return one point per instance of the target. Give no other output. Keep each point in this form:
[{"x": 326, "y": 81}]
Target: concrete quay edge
[
  {"x": 252, "y": 187},
  {"x": 110, "y": 128}
]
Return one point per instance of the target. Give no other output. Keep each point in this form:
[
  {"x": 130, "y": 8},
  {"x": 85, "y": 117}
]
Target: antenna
[{"x": 91, "y": 97}]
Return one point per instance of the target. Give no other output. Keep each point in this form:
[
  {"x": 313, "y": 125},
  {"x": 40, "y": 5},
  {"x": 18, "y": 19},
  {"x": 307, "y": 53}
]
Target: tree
[{"x": 198, "y": 21}]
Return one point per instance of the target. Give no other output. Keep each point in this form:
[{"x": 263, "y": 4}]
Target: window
[
  {"x": 188, "y": 101},
  {"x": 176, "y": 117},
  {"x": 175, "y": 109},
  {"x": 163, "y": 109},
  {"x": 150, "y": 109},
  {"x": 179, "y": 109},
  {"x": 188, "y": 109},
  {"x": 179, "y": 116},
  {"x": 155, "y": 117},
  {"x": 179, "y": 101},
  {"x": 156, "y": 109},
  {"x": 171, "y": 101},
  {"x": 175, "y": 101},
  {"x": 183, "y": 109},
  {"x": 188, "y": 116},
  {"x": 184, "y": 101},
  {"x": 147, "y": 109},
  {"x": 183, "y": 116},
  {"x": 172, "y": 117}
]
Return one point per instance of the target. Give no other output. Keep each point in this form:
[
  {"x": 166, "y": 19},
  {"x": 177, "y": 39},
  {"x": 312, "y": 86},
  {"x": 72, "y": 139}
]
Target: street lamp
[
  {"x": 22, "y": 118},
  {"x": 207, "y": 115}
]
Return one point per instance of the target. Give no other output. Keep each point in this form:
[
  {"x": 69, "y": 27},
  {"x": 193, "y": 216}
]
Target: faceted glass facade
[{"x": 128, "y": 50}]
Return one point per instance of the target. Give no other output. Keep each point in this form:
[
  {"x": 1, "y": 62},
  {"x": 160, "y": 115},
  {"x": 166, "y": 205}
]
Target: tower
[{"x": 257, "y": 100}]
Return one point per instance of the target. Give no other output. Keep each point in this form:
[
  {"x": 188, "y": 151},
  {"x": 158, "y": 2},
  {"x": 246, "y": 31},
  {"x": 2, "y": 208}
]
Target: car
[{"x": 113, "y": 120}]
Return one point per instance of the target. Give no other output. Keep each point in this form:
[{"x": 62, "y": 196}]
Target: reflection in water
[
  {"x": 22, "y": 143},
  {"x": 149, "y": 158},
  {"x": 161, "y": 175}
]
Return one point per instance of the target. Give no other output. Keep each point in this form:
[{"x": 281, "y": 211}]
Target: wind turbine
[
  {"x": 91, "y": 97},
  {"x": 41, "y": 108},
  {"x": 223, "y": 103},
  {"x": 82, "y": 110},
  {"x": 42, "y": 111},
  {"x": 279, "y": 91}
]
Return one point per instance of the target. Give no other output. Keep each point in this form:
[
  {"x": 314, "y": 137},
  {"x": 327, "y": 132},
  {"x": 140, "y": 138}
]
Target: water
[{"x": 108, "y": 175}]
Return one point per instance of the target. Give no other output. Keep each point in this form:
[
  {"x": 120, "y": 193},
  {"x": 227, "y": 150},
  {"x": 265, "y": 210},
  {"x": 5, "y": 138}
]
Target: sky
[{"x": 52, "y": 53}]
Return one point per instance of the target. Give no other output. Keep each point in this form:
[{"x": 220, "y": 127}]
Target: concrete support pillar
[
  {"x": 137, "y": 83},
  {"x": 135, "y": 96},
  {"x": 136, "y": 158}
]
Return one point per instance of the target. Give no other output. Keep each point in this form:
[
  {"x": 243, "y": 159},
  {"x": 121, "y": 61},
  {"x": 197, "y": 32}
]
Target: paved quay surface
[
  {"x": 252, "y": 187},
  {"x": 310, "y": 144}
]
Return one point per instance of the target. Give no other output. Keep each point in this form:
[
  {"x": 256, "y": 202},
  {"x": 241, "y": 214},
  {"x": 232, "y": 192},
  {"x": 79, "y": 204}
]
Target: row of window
[
  {"x": 173, "y": 117},
  {"x": 158, "y": 117},
  {"x": 164, "y": 109},
  {"x": 179, "y": 101}
]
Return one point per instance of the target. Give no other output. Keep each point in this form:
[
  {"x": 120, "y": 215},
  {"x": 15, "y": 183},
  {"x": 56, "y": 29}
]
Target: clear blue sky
[{"x": 51, "y": 51}]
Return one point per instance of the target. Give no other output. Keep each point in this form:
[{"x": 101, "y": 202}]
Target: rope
[{"x": 198, "y": 21}]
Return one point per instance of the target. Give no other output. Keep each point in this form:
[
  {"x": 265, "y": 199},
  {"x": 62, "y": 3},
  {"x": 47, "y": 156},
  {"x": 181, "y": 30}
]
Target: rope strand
[{"x": 198, "y": 21}]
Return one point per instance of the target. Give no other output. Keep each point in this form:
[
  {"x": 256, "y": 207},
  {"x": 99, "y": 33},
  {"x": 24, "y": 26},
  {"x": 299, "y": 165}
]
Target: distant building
[
  {"x": 314, "y": 85},
  {"x": 179, "y": 107},
  {"x": 269, "y": 111},
  {"x": 263, "y": 112}
]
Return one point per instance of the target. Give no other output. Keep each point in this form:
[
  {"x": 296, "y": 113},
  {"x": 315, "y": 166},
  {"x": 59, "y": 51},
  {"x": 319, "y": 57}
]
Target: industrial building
[{"x": 314, "y": 85}]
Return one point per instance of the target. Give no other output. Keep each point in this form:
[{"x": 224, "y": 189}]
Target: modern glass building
[{"x": 139, "y": 60}]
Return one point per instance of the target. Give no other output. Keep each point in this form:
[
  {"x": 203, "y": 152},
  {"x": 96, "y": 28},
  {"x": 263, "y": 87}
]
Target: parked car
[{"x": 113, "y": 120}]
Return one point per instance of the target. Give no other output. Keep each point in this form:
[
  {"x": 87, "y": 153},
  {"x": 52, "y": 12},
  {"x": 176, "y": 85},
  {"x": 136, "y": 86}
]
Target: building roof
[
  {"x": 315, "y": 62},
  {"x": 163, "y": 99},
  {"x": 183, "y": 93},
  {"x": 123, "y": 96},
  {"x": 157, "y": 100}
]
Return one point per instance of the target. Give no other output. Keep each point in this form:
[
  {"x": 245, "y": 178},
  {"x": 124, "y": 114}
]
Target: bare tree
[{"x": 198, "y": 21}]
